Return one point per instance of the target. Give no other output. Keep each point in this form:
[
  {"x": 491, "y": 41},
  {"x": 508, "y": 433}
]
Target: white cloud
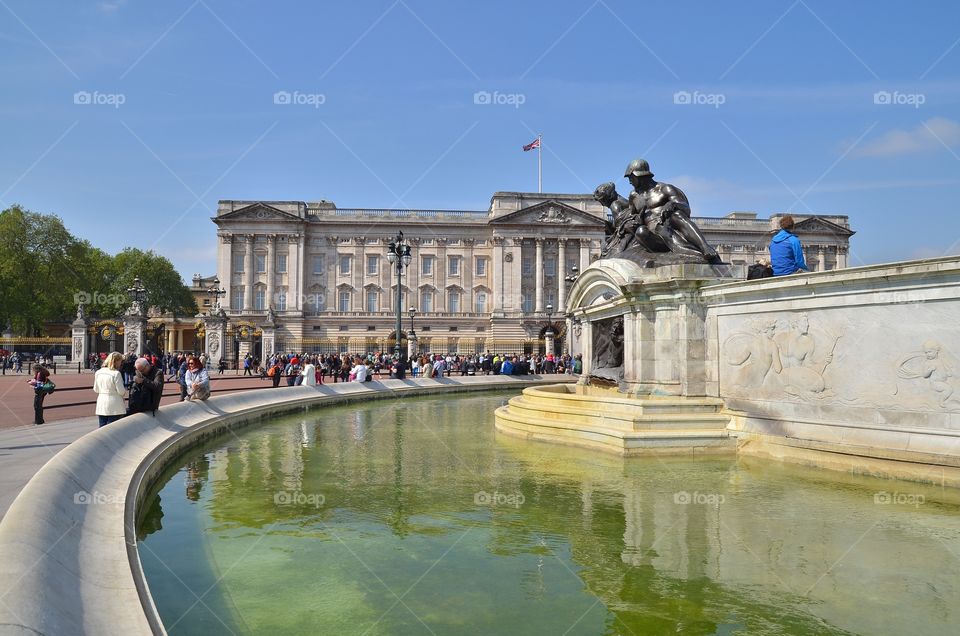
[
  {"x": 110, "y": 7},
  {"x": 929, "y": 135}
]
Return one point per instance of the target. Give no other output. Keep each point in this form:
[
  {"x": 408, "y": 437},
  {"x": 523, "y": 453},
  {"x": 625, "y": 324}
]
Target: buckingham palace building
[{"x": 491, "y": 279}]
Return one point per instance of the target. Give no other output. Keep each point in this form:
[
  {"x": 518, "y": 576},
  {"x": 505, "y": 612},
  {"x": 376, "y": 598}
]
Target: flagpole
[{"x": 539, "y": 163}]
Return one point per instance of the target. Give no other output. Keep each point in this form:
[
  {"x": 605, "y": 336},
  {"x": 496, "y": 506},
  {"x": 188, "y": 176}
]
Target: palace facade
[{"x": 480, "y": 280}]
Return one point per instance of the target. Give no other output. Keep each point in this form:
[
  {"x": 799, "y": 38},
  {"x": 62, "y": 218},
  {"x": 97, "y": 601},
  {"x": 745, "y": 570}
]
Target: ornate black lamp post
[
  {"x": 138, "y": 295},
  {"x": 216, "y": 292},
  {"x": 398, "y": 253}
]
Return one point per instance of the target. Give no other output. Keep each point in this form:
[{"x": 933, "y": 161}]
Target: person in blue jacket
[{"x": 786, "y": 254}]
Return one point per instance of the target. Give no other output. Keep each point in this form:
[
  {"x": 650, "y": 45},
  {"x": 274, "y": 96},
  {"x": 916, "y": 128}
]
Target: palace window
[
  {"x": 453, "y": 265},
  {"x": 282, "y": 263},
  {"x": 344, "y": 301},
  {"x": 282, "y": 301},
  {"x": 372, "y": 301},
  {"x": 238, "y": 263},
  {"x": 259, "y": 297},
  {"x": 238, "y": 298},
  {"x": 344, "y": 265},
  {"x": 426, "y": 301},
  {"x": 481, "y": 267},
  {"x": 317, "y": 264},
  {"x": 526, "y": 303},
  {"x": 550, "y": 267},
  {"x": 527, "y": 266},
  {"x": 372, "y": 265},
  {"x": 427, "y": 267},
  {"x": 453, "y": 302},
  {"x": 261, "y": 263},
  {"x": 480, "y": 304}
]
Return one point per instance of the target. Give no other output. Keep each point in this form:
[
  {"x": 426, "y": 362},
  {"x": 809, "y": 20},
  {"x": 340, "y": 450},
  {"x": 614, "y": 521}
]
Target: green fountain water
[{"x": 414, "y": 517}]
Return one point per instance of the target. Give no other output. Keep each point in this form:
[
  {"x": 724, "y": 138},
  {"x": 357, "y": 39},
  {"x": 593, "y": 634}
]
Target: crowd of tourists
[
  {"x": 128, "y": 384},
  {"x": 312, "y": 369}
]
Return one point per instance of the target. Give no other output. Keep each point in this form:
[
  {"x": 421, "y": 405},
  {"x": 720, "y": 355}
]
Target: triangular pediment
[
  {"x": 549, "y": 213},
  {"x": 258, "y": 211},
  {"x": 817, "y": 224}
]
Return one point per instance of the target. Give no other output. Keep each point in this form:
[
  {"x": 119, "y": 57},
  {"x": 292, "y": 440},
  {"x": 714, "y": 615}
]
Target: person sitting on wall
[{"x": 786, "y": 253}]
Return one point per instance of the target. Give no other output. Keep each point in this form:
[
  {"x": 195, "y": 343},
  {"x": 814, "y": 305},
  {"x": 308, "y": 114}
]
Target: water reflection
[{"x": 562, "y": 539}]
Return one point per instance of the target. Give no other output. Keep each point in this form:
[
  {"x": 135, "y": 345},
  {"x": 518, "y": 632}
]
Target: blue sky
[{"x": 785, "y": 113}]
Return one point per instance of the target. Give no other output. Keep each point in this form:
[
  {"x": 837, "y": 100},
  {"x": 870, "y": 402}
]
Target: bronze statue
[
  {"x": 654, "y": 220},
  {"x": 608, "y": 350}
]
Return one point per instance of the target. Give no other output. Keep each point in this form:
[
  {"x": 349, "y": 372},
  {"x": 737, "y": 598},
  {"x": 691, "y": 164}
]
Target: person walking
[
  {"x": 108, "y": 385},
  {"x": 786, "y": 253},
  {"x": 40, "y": 391}
]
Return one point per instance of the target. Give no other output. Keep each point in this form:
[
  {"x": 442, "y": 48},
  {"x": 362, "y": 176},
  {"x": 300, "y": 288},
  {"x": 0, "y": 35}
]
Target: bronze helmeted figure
[{"x": 653, "y": 226}]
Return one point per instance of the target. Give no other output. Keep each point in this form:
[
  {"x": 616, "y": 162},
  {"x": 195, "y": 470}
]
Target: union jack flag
[{"x": 533, "y": 144}]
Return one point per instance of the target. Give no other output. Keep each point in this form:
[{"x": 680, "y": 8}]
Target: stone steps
[
  {"x": 636, "y": 419},
  {"x": 606, "y": 420}
]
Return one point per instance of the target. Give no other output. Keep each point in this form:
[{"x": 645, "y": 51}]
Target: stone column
[
  {"x": 440, "y": 275},
  {"x": 225, "y": 268},
  {"x": 584, "y": 254},
  {"x": 294, "y": 289},
  {"x": 170, "y": 334},
  {"x": 821, "y": 258},
  {"x": 515, "y": 283},
  {"x": 249, "y": 273},
  {"x": 538, "y": 307},
  {"x": 499, "y": 271},
  {"x": 271, "y": 270},
  {"x": 466, "y": 275},
  {"x": 179, "y": 343},
  {"x": 561, "y": 274}
]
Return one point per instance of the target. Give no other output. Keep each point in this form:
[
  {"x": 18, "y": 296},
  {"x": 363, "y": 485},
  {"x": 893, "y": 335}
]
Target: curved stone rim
[{"x": 69, "y": 561}]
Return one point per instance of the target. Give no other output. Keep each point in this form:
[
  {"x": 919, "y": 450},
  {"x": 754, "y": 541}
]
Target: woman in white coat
[{"x": 108, "y": 384}]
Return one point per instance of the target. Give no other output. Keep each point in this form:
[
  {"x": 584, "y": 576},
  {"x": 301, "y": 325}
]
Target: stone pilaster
[
  {"x": 561, "y": 274},
  {"x": 271, "y": 271},
  {"x": 538, "y": 269},
  {"x": 249, "y": 273}
]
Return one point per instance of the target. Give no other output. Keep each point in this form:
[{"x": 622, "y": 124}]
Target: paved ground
[
  {"x": 75, "y": 398},
  {"x": 23, "y": 450}
]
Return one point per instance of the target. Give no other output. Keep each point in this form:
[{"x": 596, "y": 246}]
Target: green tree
[
  {"x": 165, "y": 289},
  {"x": 42, "y": 268},
  {"x": 45, "y": 271}
]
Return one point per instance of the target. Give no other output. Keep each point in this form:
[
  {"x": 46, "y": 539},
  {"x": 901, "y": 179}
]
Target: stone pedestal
[
  {"x": 134, "y": 332},
  {"x": 269, "y": 336},
  {"x": 215, "y": 328},
  {"x": 550, "y": 342},
  {"x": 80, "y": 348},
  {"x": 411, "y": 345},
  {"x": 662, "y": 349}
]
